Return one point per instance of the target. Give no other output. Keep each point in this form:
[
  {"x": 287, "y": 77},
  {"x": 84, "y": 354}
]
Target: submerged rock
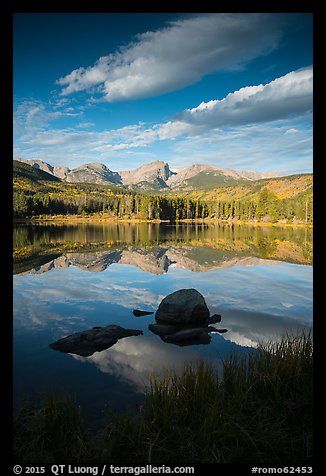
[
  {"x": 93, "y": 340},
  {"x": 138, "y": 313},
  {"x": 182, "y": 307}
]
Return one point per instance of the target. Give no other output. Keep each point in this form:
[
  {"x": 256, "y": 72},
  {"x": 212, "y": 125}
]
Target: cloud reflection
[
  {"x": 134, "y": 359},
  {"x": 253, "y": 328}
]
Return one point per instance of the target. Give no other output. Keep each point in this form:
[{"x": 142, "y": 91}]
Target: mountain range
[{"x": 156, "y": 175}]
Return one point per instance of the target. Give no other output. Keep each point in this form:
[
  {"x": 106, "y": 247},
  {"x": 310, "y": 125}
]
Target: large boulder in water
[{"x": 185, "y": 306}]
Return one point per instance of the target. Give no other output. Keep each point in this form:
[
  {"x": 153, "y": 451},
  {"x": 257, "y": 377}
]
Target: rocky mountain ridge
[{"x": 155, "y": 174}]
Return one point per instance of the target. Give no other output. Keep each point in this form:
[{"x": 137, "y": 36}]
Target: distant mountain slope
[
  {"x": 25, "y": 171},
  {"x": 203, "y": 179},
  {"x": 289, "y": 186},
  {"x": 154, "y": 177},
  {"x": 59, "y": 171},
  {"x": 207, "y": 176},
  {"x": 93, "y": 173},
  {"x": 156, "y": 173}
]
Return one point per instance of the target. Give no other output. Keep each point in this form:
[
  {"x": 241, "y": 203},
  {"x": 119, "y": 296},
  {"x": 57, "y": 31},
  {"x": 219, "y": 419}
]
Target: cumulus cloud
[
  {"x": 283, "y": 97},
  {"x": 178, "y": 55}
]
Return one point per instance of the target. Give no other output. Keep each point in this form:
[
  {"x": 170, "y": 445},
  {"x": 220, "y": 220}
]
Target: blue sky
[{"x": 233, "y": 90}]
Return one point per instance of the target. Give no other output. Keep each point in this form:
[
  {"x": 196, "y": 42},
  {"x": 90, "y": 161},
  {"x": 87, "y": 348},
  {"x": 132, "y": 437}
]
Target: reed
[{"x": 54, "y": 432}]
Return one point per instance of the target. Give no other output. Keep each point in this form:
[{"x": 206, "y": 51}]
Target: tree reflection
[{"x": 208, "y": 242}]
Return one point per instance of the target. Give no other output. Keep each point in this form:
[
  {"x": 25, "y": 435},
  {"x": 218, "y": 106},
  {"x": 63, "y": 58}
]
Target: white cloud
[
  {"x": 174, "y": 129},
  {"x": 263, "y": 147},
  {"x": 263, "y": 127},
  {"x": 291, "y": 131},
  {"x": 31, "y": 114},
  {"x": 283, "y": 97},
  {"x": 59, "y": 102},
  {"x": 178, "y": 55},
  {"x": 83, "y": 125}
]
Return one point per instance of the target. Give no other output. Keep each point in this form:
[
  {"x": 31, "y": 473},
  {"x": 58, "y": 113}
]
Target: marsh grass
[
  {"x": 54, "y": 432},
  {"x": 259, "y": 413}
]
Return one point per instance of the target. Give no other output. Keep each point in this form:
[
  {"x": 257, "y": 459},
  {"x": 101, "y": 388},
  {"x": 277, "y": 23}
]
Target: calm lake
[{"x": 72, "y": 277}]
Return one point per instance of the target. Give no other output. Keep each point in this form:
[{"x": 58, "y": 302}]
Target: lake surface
[{"x": 72, "y": 277}]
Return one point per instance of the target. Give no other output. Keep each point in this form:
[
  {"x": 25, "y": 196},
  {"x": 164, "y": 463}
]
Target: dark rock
[
  {"x": 215, "y": 318},
  {"x": 93, "y": 340},
  {"x": 213, "y": 329},
  {"x": 138, "y": 313},
  {"x": 185, "y": 337},
  {"x": 163, "y": 329},
  {"x": 182, "y": 307}
]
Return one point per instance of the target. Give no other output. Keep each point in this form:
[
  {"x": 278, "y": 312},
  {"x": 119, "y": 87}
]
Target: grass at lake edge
[{"x": 260, "y": 413}]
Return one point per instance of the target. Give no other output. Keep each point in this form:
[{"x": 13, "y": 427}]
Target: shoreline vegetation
[
  {"x": 260, "y": 413},
  {"x": 52, "y": 238},
  {"x": 101, "y": 217}
]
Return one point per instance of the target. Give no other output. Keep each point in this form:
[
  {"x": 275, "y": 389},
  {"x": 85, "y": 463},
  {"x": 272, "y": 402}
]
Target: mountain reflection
[
  {"x": 154, "y": 261},
  {"x": 155, "y": 248}
]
